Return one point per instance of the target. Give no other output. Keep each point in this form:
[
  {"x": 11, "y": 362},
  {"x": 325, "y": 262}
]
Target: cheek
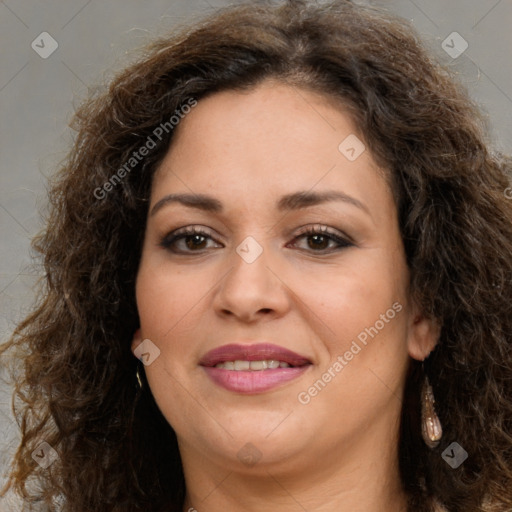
[
  {"x": 351, "y": 298},
  {"x": 165, "y": 302},
  {"x": 368, "y": 315},
  {"x": 165, "y": 298},
  {"x": 365, "y": 349}
]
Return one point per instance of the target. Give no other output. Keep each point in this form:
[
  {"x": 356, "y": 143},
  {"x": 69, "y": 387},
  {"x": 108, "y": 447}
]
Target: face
[{"x": 276, "y": 288}]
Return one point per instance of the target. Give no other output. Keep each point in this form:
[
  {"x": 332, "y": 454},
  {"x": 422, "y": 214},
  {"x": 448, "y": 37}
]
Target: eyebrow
[{"x": 294, "y": 201}]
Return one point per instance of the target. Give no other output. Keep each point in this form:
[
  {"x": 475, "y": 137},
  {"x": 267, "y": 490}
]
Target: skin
[{"x": 339, "y": 451}]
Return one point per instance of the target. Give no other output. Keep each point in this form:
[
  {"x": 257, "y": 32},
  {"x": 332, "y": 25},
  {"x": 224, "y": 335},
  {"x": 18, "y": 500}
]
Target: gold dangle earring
[
  {"x": 139, "y": 380},
  {"x": 431, "y": 429}
]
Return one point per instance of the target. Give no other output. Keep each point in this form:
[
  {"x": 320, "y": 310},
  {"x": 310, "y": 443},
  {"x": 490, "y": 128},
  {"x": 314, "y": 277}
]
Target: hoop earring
[
  {"x": 139, "y": 380},
  {"x": 431, "y": 428}
]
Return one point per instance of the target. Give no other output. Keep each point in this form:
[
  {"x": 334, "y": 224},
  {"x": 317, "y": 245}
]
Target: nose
[{"x": 252, "y": 291}]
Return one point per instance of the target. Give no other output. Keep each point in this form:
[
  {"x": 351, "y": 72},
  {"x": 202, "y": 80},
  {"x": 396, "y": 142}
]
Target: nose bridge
[
  {"x": 250, "y": 250},
  {"x": 251, "y": 286},
  {"x": 250, "y": 262}
]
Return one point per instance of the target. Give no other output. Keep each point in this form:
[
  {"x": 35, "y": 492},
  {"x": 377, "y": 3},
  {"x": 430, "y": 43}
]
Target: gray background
[{"x": 38, "y": 96}]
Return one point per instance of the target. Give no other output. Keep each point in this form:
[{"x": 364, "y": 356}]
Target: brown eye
[
  {"x": 194, "y": 241},
  {"x": 318, "y": 241},
  {"x": 321, "y": 239},
  {"x": 186, "y": 240}
]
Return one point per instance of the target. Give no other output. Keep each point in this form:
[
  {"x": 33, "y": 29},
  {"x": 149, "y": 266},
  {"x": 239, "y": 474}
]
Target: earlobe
[
  {"x": 136, "y": 340},
  {"x": 423, "y": 337}
]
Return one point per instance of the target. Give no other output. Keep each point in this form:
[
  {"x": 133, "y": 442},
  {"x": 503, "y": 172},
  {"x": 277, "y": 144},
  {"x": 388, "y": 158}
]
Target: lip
[
  {"x": 252, "y": 382},
  {"x": 255, "y": 352}
]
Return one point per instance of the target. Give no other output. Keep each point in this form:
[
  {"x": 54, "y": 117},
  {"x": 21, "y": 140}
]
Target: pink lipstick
[{"x": 251, "y": 369}]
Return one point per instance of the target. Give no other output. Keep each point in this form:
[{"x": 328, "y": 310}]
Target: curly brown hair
[{"x": 75, "y": 382}]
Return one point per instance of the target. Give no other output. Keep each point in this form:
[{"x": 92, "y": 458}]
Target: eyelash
[{"x": 183, "y": 233}]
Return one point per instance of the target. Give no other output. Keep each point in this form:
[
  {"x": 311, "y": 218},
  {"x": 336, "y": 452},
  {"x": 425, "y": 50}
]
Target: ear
[
  {"x": 423, "y": 336},
  {"x": 136, "y": 341}
]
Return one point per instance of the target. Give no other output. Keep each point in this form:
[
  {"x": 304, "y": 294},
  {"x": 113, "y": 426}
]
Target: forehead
[{"x": 270, "y": 139}]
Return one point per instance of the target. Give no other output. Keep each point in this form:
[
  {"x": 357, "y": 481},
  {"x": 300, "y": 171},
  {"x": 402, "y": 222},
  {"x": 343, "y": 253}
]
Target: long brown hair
[{"x": 75, "y": 382}]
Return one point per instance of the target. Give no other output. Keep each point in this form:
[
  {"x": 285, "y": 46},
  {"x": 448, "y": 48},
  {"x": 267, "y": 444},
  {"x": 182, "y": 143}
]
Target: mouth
[
  {"x": 251, "y": 369},
  {"x": 241, "y": 365}
]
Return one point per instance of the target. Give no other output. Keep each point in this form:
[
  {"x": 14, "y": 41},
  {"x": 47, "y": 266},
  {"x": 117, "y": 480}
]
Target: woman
[{"x": 288, "y": 215}]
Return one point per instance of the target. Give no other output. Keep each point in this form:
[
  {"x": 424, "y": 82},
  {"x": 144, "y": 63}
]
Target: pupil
[
  {"x": 316, "y": 237},
  {"x": 193, "y": 239}
]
